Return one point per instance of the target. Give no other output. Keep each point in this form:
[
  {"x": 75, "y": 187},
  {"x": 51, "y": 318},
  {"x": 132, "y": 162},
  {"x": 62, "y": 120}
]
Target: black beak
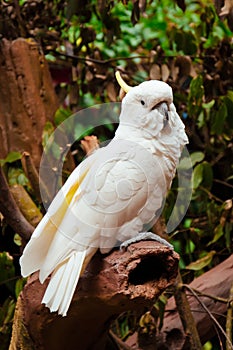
[
  {"x": 163, "y": 108},
  {"x": 166, "y": 119}
]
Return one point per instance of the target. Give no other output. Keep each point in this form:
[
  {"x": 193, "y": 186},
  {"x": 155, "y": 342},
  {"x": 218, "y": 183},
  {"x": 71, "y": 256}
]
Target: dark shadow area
[{"x": 150, "y": 268}]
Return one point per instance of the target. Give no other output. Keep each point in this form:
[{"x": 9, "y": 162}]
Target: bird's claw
[{"x": 143, "y": 236}]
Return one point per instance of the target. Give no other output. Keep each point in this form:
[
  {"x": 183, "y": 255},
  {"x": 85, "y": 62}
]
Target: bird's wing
[{"x": 37, "y": 248}]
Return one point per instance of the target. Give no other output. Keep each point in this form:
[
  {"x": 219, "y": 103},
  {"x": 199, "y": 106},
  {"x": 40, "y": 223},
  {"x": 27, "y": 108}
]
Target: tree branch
[
  {"x": 229, "y": 320},
  {"x": 186, "y": 316},
  {"x": 11, "y": 212},
  {"x": 32, "y": 174}
]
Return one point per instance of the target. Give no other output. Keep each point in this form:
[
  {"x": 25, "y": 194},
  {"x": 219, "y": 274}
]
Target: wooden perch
[{"x": 112, "y": 284}]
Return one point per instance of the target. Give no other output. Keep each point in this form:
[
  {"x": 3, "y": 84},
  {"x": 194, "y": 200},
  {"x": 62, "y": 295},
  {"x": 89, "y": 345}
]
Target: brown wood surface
[{"x": 112, "y": 284}]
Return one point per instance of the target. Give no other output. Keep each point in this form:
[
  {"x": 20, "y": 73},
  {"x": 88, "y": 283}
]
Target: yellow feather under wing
[{"x": 38, "y": 247}]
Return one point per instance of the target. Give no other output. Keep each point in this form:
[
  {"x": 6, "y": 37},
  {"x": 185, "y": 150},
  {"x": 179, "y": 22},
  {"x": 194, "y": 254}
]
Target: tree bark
[
  {"x": 112, "y": 284},
  {"x": 27, "y": 98}
]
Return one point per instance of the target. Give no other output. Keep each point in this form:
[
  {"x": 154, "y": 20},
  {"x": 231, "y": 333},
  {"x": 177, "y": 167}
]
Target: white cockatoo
[{"x": 110, "y": 197}]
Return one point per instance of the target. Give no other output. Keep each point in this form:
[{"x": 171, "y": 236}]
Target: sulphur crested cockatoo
[{"x": 111, "y": 195}]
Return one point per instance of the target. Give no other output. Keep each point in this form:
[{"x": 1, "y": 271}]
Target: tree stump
[{"x": 112, "y": 284}]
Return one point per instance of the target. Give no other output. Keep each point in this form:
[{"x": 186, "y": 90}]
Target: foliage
[{"x": 183, "y": 43}]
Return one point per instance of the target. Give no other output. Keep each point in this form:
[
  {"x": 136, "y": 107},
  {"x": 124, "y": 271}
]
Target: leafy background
[{"x": 188, "y": 45}]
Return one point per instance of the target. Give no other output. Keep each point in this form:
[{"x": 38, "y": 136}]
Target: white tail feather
[{"x": 63, "y": 282}]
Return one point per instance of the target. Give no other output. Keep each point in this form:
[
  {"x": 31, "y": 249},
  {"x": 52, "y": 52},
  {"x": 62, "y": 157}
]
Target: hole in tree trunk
[{"x": 149, "y": 269}]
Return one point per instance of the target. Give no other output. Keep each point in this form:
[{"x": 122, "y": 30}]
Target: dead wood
[{"x": 112, "y": 284}]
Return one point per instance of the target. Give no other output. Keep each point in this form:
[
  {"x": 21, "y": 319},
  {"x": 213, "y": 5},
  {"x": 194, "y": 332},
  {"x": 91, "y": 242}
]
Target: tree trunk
[
  {"x": 112, "y": 284},
  {"x": 27, "y": 98}
]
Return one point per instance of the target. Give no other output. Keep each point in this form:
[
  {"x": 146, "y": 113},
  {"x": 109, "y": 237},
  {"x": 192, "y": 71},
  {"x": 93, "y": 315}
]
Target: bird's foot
[{"x": 145, "y": 236}]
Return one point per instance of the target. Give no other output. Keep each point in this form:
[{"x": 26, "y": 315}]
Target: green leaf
[
  {"x": 185, "y": 42},
  {"x": 81, "y": 131},
  {"x": 197, "y": 176},
  {"x": 207, "y": 346},
  {"x": 6, "y": 315},
  {"x": 17, "y": 240},
  {"x": 187, "y": 223},
  {"x": 160, "y": 306},
  {"x": 181, "y": 263},
  {"x": 196, "y": 87},
  {"x": 202, "y": 174},
  {"x": 197, "y": 157},
  {"x": 228, "y": 232},
  {"x": 218, "y": 119},
  {"x": 47, "y": 132},
  {"x": 218, "y": 233},
  {"x": 201, "y": 120},
  {"x": 17, "y": 176},
  {"x": 11, "y": 158},
  {"x": 207, "y": 175},
  {"x": 230, "y": 95},
  {"x": 202, "y": 262},
  {"x": 190, "y": 247},
  {"x": 196, "y": 93},
  {"x": 61, "y": 115},
  {"x": 228, "y": 100},
  {"x": 208, "y": 105},
  {"x": 19, "y": 286}
]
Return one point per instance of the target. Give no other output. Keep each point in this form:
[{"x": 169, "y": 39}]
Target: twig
[
  {"x": 223, "y": 183},
  {"x": 186, "y": 316},
  {"x": 37, "y": 183},
  {"x": 94, "y": 60},
  {"x": 19, "y": 18},
  {"x": 203, "y": 311},
  {"x": 32, "y": 174},
  {"x": 229, "y": 319},
  {"x": 11, "y": 212},
  {"x": 211, "y": 195},
  {"x": 221, "y": 300},
  {"x": 115, "y": 59},
  {"x": 211, "y": 316}
]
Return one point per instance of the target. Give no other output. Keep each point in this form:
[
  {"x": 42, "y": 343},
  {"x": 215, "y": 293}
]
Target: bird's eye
[{"x": 142, "y": 102}]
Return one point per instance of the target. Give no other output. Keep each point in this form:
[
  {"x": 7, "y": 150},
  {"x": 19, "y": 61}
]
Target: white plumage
[{"x": 110, "y": 195}]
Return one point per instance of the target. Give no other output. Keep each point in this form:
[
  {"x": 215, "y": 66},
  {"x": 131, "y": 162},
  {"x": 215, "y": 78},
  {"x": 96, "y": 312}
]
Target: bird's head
[{"x": 149, "y": 106}]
